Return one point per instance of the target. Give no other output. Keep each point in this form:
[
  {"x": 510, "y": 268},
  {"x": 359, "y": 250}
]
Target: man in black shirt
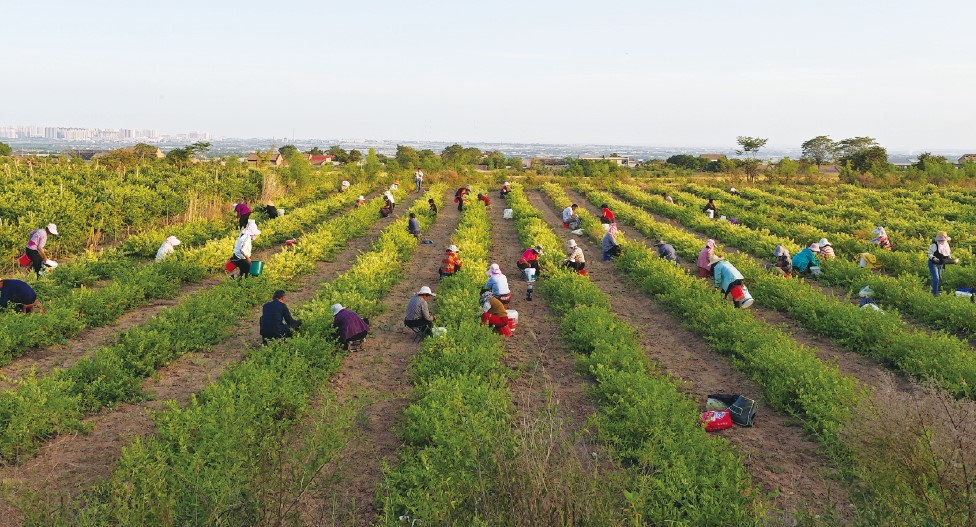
[
  {"x": 18, "y": 295},
  {"x": 276, "y": 321}
]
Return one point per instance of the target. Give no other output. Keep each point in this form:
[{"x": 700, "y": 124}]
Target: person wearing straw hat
[
  {"x": 361, "y": 201},
  {"x": 498, "y": 283},
  {"x": 276, "y": 321},
  {"x": 729, "y": 280},
  {"x": 807, "y": 258},
  {"x": 242, "y": 248},
  {"x": 505, "y": 189},
  {"x": 704, "y": 267},
  {"x": 18, "y": 295},
  {"x": 344, "y": 186},
  {"x": 826, "y": 250},
  {"x": 350, "y": 327},
  {"x": 784, "y": 264},
  {"x": 666, "y": 250},
  {"x": 35, "y": 247},
  {"x": 939, "y": 255},
  {"x": 451, "y": 263},
  {"x": 418, "y": 312},
  {"x": 167, "y": 248},
  {"x": 881, "y": 238},
  {"x": 575, "y": 259},
  {"x": 530, "y": 259},
  {"x": 610, "y": 245}
]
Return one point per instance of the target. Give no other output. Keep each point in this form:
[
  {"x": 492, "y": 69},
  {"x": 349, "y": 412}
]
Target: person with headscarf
[
  {"x": 505, "y": 189},
  {"x": 611, "y": 247},
  {"x": 881, "y": 238},
  {"x": 451, "y": 263},
  {"x": 493, "y": 312},
  {"x": 783, "y": 264},
  {"x": 575, "y": 259},
  {"x": 826, "y": 250},
  {"x": 729, "y": 280},
  {"x": 939, "y": 255},
  {"x": 705, "y": 268},
  {"x": 344, "y": 186},
  {"x": 807, "y": 258},
  {"x": 666, "y": 250},
  {"x": 498, "y": 283},
  {"x": 242, "y": 248},
  {"x": 167, "y": 248}
]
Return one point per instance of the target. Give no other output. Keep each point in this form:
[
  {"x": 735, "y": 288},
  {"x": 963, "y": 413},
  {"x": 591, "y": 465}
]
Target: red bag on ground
[
  {"x": 714, "y": 420},
  {"x": 24, "y": 260},
  {"x": 230, "y": 266}
]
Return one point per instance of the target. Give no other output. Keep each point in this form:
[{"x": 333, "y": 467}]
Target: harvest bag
[
  {"x": 743, "y": 411},
  {"x": 716, "y": 420}
]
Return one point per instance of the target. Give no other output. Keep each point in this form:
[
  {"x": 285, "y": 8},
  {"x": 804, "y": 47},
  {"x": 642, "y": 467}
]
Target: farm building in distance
[
  {"x": 624, "y": 161},
  {"x": 318, "y": 161},
  {"x": 967, "y": 158},
  {"x": 274, "y": 160}
]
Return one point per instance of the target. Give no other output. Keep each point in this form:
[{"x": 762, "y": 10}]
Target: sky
[{"x": 648, "y": 73}]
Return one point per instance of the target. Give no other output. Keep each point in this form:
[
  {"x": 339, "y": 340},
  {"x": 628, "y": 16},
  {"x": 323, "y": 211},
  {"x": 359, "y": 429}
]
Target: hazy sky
[{"x": 640, "y": 73}]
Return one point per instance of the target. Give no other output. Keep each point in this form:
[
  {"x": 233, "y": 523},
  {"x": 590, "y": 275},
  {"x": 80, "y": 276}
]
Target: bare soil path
[
  {"x": 377, "y": 380},
  {"x": 778, "y": 455},
  {"x": 72, "y": 462}
]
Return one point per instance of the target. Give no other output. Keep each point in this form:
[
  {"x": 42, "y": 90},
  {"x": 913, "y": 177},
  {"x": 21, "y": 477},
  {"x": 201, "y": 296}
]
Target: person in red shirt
[
  {"x": 530, "y": 259},
  {"x": 608, "y": 216},
  {"x": 484, "y": 198},
  {"x": 451, "y": 263}
]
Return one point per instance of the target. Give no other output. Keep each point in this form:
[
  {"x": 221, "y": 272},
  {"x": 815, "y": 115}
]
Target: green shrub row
[
  {"x": 205, "y": 463},
  {"x": 39, "y": 408},
  {"x": 680, "y": 475},
  {"x": 883, "y": 336}
]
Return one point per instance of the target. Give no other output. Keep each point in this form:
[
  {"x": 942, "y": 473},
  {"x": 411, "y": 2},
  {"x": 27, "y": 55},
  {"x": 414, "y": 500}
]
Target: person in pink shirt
[
  {"x": 705, "y": 268},
  {"x": 35, "y": 246},
  {"x": 243, "y": 213}
]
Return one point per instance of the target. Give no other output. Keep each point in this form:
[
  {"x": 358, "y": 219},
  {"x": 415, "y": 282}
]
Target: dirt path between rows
[
  {"x": 377, "y": 381},
  {"x": 866, "y": 369},
  {"x": 73, "y": 462},
  {"x": 43, "y": 360},
  {"x": 777, "y": 454}
]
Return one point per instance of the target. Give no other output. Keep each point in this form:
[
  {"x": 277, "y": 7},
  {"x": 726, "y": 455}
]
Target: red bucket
[
  {"x": 24, "y": 260},
  {"x": 230, "y": 266},
  {"x": 737, "y": 293}
]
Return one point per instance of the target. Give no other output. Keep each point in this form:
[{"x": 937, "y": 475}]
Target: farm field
[{"x": 144, "y": 395}]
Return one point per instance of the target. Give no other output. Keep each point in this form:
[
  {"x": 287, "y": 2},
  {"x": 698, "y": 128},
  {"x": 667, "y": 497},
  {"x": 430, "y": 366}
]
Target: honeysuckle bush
[
  {"x": 131, "y": 286},
  {"x": 945, "y": 359},
  {"x": 208, "y": 462},
  {"x": 38, "y": 408},
  {"x": 678, "y": 473}
]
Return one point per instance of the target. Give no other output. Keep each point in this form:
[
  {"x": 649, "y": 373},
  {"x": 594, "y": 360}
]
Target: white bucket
[
  {"x": 508, "y": 214},
  {"x": 710, "y": 213},
  {"x": 438, "y": 331},
  {"x": 748, "y": 300},
  {"x": 815, "y": 270},
  {"x": 723, "y": 218},
  {"x": 530, "y": 274},
  {"x": 281, "y": 212}
]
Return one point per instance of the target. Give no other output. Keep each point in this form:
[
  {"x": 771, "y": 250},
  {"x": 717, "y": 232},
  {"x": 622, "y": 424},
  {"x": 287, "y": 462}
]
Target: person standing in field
[
  {"x": 704, "y": 267},
  {"x": 242, "y": 249},
  {"x": 418, "y": 179},
  {"x": 243, "y": 213},
  {"x": 939, "y": 254},
  {"x": 418, "y": 312},
  {"x": 276, "y": 321},
  {"x": 35, "y": 246},
  {"x": 167, "y": 248}
]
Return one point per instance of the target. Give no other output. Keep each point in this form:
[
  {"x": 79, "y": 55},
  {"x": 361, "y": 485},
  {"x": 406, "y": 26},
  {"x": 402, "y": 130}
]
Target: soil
[
  {"x": 72, "y": 462},
  {"x": 377, "y": 381},
  {"x": 781, "y": 459}
]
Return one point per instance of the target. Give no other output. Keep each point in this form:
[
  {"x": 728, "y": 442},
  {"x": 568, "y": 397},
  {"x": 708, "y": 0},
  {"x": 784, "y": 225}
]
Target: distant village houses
[
  {"x": 273, "y": 160},
  {"x": 624, "y": 161},
  {"x": 967, "y": 158},
  {"x": 323, "y": 160}
]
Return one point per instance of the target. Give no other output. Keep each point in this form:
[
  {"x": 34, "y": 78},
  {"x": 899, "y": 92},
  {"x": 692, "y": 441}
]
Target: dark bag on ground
[{"x": 743, "y": 409}]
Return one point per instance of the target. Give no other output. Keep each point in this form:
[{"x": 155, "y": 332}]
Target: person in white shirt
[
  {"x": 575, "y": 259},
  {"x": 570, "y": 218},
  {"x": 418, "y": 179},
  {"x": 167, "y": 248},
  {"x": 498, "y": 283},
  {"x": 242, "y": 248}
]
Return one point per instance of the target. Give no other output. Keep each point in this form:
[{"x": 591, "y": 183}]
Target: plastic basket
[
  {"x": 24, "y": 260},
  {"x": 230, "y": 266},
  {"x": 257, "y": 268}
]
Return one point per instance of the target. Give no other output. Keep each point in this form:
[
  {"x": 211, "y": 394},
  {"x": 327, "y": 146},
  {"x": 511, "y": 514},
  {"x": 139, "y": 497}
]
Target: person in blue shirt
[
  {"x": 276, "y": 321},
  {"x": 729, "y": 280},
  {"x": 18, "y": 295},
  {"x": 807, "y": 258}
]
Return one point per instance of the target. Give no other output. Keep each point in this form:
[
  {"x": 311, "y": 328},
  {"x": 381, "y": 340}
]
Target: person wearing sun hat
[
  {"x": 167, "y": 248},
  {"x": 939, "y": 255},
  {"x": 806, "y": 258},
  {"x": 729, "y": 280},
  {"x": 276, "y": 321},
  {"x": 242, "y": 248},
  {"x": 35, "y": 247},
  {"x": 451, "y": 263},
  {"x": 498, "y": 283},
  {"x": 418, "y": 312},
  {"x": 361, "y": 201},
  {"x": 826, "y": 250},
  {"x": 505, "y": 189},
  {"x": 350, "y": 327},
  {"x": 881, "y": 238},
  {"x": 575, "y": 259}
]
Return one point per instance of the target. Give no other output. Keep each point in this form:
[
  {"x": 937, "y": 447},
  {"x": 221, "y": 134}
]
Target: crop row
[
  {"x": 211, "y": 462},
  {"x": 131, "y": 286},
  {"x": 909, "y": 295},
  {"x": 41, "y": 407},
  {"x": 678, "y": 474}
]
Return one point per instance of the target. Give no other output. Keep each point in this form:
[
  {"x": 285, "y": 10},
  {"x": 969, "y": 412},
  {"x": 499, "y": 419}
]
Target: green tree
[
  {"x": 848, "y": 147},
  {"x": 354, "y": 156},
  {"x": 820, "y": 149},
  {"x": 287, "y": 150},
  {"x": 372, "y": 165},
  {"x": 750, "y": 146},
  {"x": 686, "y": 161},
  {"x": 316, "y": 151},
  {"x": 407, "y": 157},
  {"x": 928, "y": 162},
  {"x": 5, "y": 149},
  {"x": 299, "y": 169},
  {"x": 338, "y": 153},
  {"x": 873, "y": 159}
]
